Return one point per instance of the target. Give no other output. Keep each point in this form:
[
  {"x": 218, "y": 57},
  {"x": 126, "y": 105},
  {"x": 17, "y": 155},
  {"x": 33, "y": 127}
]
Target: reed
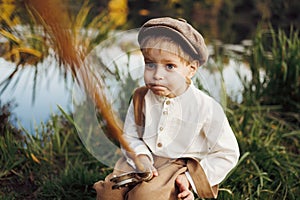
[
  {"x": 270, "y": 163},
  {"x": 266, "y": 126},
  {"x": 58, "y": 27},
  {"x": 274, "y": 63},
  {"x": 50, "y": 164}
]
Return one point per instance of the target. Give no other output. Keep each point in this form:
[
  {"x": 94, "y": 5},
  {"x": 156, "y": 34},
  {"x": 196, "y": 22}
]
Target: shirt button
[
  {"x": 159, "y": 144},
  {"x": 168, "y": 102},
  {"x": 161, "y": 128},
  {"x": 165, "y": 112}
]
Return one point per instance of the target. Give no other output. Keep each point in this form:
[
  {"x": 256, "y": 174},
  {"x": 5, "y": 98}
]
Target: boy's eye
[
  {"x": 150, "y": 65},
  {"x": 170, "y": 66}
]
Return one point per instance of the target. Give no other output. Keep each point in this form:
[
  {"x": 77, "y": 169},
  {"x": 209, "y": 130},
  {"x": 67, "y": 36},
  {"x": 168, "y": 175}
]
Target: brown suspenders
[{"x": 138, "y": 104}]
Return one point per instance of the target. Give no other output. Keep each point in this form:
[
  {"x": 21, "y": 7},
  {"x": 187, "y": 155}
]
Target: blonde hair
[{"x": 163, "y": 43}]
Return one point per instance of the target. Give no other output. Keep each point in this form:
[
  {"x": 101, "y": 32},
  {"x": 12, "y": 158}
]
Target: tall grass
[
  {"x": 275, "y": 66},
  {"x": 270, "y": 163},
  {"x": 52, "y": 164},
  {"x": 267, "y": 122}
]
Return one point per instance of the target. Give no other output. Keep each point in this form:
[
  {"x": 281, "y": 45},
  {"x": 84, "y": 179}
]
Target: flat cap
[{"x": 181, "y": 32}]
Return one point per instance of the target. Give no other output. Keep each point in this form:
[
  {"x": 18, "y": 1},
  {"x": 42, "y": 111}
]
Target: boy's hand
[
  {"x": 144, "y": 159},
  {"x": 183, "y": 186}
]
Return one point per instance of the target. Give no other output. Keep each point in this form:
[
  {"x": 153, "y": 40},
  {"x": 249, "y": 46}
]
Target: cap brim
[{"x": 171, "y": 33}]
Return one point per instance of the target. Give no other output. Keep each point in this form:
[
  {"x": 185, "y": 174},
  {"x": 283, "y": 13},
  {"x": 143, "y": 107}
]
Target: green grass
[
  {"x": 267, "y": 122},
  {"x": 276, "y": 54},
  {"x": 53, "y": 164},
  {"x": 270, "y": 163}
]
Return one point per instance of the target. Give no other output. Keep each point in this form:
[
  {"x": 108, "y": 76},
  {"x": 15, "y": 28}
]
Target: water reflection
[{"x": 34, "y": 106}]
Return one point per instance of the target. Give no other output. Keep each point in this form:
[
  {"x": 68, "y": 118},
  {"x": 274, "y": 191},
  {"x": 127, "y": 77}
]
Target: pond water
[
  {"x": 229, "y": 24},
  {"x": 52, "y": 88},
  {"x": 33, "y": 108}
]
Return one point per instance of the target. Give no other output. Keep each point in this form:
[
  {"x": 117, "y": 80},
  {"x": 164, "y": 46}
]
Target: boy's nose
[{"x": 158, "y": 74}]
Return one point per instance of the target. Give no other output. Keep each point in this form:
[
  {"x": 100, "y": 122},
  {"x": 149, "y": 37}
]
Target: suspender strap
[
  {"x": 138, "y": 104},
  {"x": 198, "y": 175}
]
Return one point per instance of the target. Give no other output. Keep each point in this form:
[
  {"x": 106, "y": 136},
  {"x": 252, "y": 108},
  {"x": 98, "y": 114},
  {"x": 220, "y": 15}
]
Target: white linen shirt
[{"x": 190, "y": 125}]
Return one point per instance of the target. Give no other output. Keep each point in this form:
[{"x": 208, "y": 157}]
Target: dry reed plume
[{"x": 52, "y": 15}]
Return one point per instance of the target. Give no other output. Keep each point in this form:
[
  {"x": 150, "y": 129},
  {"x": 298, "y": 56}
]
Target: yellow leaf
[
  {"x": 118, "y": 11},
  {"x": 34, "y": 158},
  {"x": 10, "y": 36},
  {"x": 30, "y": 51}
]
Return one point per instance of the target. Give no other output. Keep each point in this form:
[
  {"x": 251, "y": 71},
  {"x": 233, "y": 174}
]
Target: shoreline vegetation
[{"x": 53, "y": 163}]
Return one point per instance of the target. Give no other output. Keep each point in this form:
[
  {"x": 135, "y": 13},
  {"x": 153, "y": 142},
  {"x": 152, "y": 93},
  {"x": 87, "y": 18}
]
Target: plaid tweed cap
[{"x": 178, "y": 30}]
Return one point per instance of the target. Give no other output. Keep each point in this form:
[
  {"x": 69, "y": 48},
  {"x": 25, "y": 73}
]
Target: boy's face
[{"x": 165, "y": 73}]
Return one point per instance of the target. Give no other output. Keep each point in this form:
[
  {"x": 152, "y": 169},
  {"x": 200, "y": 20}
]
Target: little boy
[{"x": 184, "y": 139}]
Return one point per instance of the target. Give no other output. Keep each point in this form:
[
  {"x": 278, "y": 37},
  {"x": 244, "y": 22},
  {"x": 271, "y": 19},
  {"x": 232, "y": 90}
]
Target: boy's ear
[{"x": 193, "y": 67}]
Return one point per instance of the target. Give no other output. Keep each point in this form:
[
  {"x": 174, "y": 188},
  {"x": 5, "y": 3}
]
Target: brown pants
[{"x": 160, "y": 187}]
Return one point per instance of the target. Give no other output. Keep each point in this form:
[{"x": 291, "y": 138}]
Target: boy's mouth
[
  {"x": 156, "y": 86},
  {"x": 160, "y": 90}
]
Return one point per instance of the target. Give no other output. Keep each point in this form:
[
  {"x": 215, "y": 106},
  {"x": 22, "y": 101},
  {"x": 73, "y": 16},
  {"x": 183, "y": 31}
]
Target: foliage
[
  {"x": 267, "y": 131},
  {"x": 270, "y": 163},
  {"x": 30, "y": 43},
  {"x": 274, "y": 63},
  {"x": 53, "y": 164},
  {"x": 26, "y": 47},
  {"x": 33, "y": 41},
  {"x": 7, "y": 119}
]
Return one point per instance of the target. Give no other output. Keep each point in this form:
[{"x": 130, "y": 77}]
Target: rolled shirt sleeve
[
  {"x": 223, "y": 151},
  {"x": 132, "y": 137}
]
